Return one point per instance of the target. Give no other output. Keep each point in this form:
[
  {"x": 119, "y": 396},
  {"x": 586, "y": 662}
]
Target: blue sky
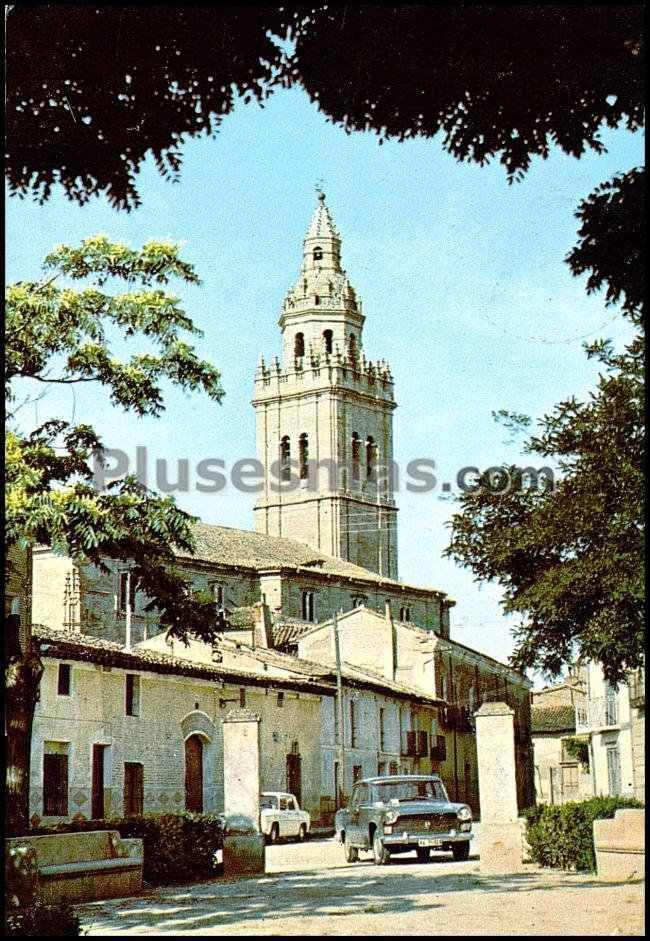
[{"x": 462, "y": 279}]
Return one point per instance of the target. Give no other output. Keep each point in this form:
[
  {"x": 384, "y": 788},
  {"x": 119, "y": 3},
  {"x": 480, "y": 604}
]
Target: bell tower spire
[{"x": 324, "y": 418}]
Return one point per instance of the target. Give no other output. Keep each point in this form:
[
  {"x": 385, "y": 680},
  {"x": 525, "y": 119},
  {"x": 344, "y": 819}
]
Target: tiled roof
[
  {"x": 290, "y": 630},
  {"x": 310, "y": 676},
  {"x": 243, "y": 548},
  {"x": 84, "y": 647},
  {"x": 552, "y": 719}
]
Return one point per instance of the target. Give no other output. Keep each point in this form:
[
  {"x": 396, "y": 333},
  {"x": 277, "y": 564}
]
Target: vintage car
[
  {"x": 399, "y": 813},
  {"x": 281, "y": 816}
]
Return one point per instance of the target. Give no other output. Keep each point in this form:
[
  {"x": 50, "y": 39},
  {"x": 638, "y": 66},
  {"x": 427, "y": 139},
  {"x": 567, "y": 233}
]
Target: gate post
[
  {"x": 243, "y": 844},
  {"x": 500, "y": 840}
]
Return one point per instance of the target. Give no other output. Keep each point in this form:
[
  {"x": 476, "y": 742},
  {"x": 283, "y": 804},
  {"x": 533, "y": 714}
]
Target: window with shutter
[{"x": 411, "y": 743}]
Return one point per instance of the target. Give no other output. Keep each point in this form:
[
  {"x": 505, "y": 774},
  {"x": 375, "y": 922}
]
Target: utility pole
[{"x": 340, "y": 749}]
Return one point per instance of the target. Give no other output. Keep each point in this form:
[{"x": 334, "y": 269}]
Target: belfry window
[
  {"x": 356, "y": 455},
  {"x": 299, "y": 345},
  {"x": 316, "y": 299},
  {"x": 353, "y": 347},
  {"x": 318, "y": 253},
  {"x": 303, "y": 451},
  {"x": 371, "y": 455},
  {"x": 327, "y": 338},
  {"x": 285, "y": 459}
]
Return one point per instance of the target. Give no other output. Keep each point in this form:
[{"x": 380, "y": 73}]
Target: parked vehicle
[
  {"x": 399, "y": 813},
  {"x": 281, "y": 816}
]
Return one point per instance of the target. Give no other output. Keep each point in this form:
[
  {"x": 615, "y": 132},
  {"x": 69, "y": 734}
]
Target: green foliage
[
  {"x": 570, "y": 559},
  {"x": 69, "y": 330},
  {"x": 64, "y": 334},
  {"x": 178, "y": 847},
  {"x": 42, "y": 921},
  {"x": 561, "y": 835},
  {"x": 578, "y": 748},
  {"x": 141, "y": 79},
  {"x": 612, "y": 241},
  {"x": 108, "y": 86}
]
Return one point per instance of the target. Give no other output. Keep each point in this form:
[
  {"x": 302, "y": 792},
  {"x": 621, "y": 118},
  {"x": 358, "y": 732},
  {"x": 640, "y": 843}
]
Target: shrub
[
  {"x": 178, "y": 847},
  {"x": 42, "y": 921},
  {"x": 561, "y": 835}
]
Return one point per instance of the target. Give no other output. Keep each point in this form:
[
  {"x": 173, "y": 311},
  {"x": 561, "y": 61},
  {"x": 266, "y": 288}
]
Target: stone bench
[
  {"x": 620, "y": 845},
  {"x": 75, "y": 867}
]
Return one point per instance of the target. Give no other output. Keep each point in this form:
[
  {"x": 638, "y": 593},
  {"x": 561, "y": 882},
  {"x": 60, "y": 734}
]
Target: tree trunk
[{"x": 22, "y": 679}]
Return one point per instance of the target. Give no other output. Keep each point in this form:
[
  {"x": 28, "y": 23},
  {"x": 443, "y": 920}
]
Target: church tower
[{"x": 324, "y": 419}]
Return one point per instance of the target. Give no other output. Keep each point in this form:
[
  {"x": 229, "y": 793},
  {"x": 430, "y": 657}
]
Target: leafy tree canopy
[
  {"x": 571, "y": 558},
  {"x": 92, "y": 90},
  {"x": 57, "y": 333}
]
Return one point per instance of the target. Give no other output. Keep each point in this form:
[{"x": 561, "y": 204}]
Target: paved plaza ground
[{"x": 310, "y": 890}]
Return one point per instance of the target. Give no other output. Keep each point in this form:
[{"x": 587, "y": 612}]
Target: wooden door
[
  {"x": 613, "y": 771},
  {"x": 97, "y": 794},
  {"x": 133, "y": 788},
  {"x": 194, "y": 774},
  {"x": 294, "y": 776}
]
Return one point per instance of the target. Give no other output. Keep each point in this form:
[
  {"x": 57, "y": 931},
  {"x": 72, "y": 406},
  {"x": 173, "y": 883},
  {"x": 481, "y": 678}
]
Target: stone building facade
[
  {"x": 613, "y": 721},
  {"x": 121, "y": 731}
]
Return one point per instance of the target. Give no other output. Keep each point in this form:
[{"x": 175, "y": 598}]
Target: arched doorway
[{"x": 194, "y": 774}]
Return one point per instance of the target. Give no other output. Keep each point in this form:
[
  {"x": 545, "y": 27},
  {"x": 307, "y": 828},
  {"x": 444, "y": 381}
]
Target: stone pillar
[
  {"x": 500, "y": 839},
  {"x": 243, "y": 844}
]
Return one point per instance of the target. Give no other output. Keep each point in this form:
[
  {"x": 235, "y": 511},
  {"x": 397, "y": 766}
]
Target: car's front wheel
[
  {"x": 274, "y": 835},
  {"x": 351, "y": 852},
  {"x": 460, "y": 851},
  {"x": 380, "y": 852},
  {"x": 302, "y": 833},
  {"x": 424, "y": 854}
]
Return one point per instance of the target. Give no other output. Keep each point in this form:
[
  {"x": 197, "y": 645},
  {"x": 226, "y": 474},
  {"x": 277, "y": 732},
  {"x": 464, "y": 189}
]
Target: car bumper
[{"x": 402, "y": 838}]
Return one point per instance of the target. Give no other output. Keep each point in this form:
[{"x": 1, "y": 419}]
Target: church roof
[{"x": 259, "y": 552}]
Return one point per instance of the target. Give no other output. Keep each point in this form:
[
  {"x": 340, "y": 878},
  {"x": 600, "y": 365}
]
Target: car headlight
[
  {"x": 391, "y": 816},
  {"x": 464, "y": 813}
]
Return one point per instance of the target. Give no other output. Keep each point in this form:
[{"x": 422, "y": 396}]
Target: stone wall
[{"x": 638, "y": 752}]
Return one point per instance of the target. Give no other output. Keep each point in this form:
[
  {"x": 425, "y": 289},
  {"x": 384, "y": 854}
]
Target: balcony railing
[{"x": 597, "y": 714}]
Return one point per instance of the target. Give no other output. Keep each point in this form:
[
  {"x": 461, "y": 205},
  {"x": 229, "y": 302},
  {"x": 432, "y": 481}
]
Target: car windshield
[{"x": 408, "y": 791}]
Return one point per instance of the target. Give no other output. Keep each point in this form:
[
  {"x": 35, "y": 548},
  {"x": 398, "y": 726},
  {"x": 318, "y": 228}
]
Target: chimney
[{"x": 263, "y": 627}]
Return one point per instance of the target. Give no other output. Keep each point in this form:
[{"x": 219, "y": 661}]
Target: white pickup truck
[{"x": 280, "y": 817}]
